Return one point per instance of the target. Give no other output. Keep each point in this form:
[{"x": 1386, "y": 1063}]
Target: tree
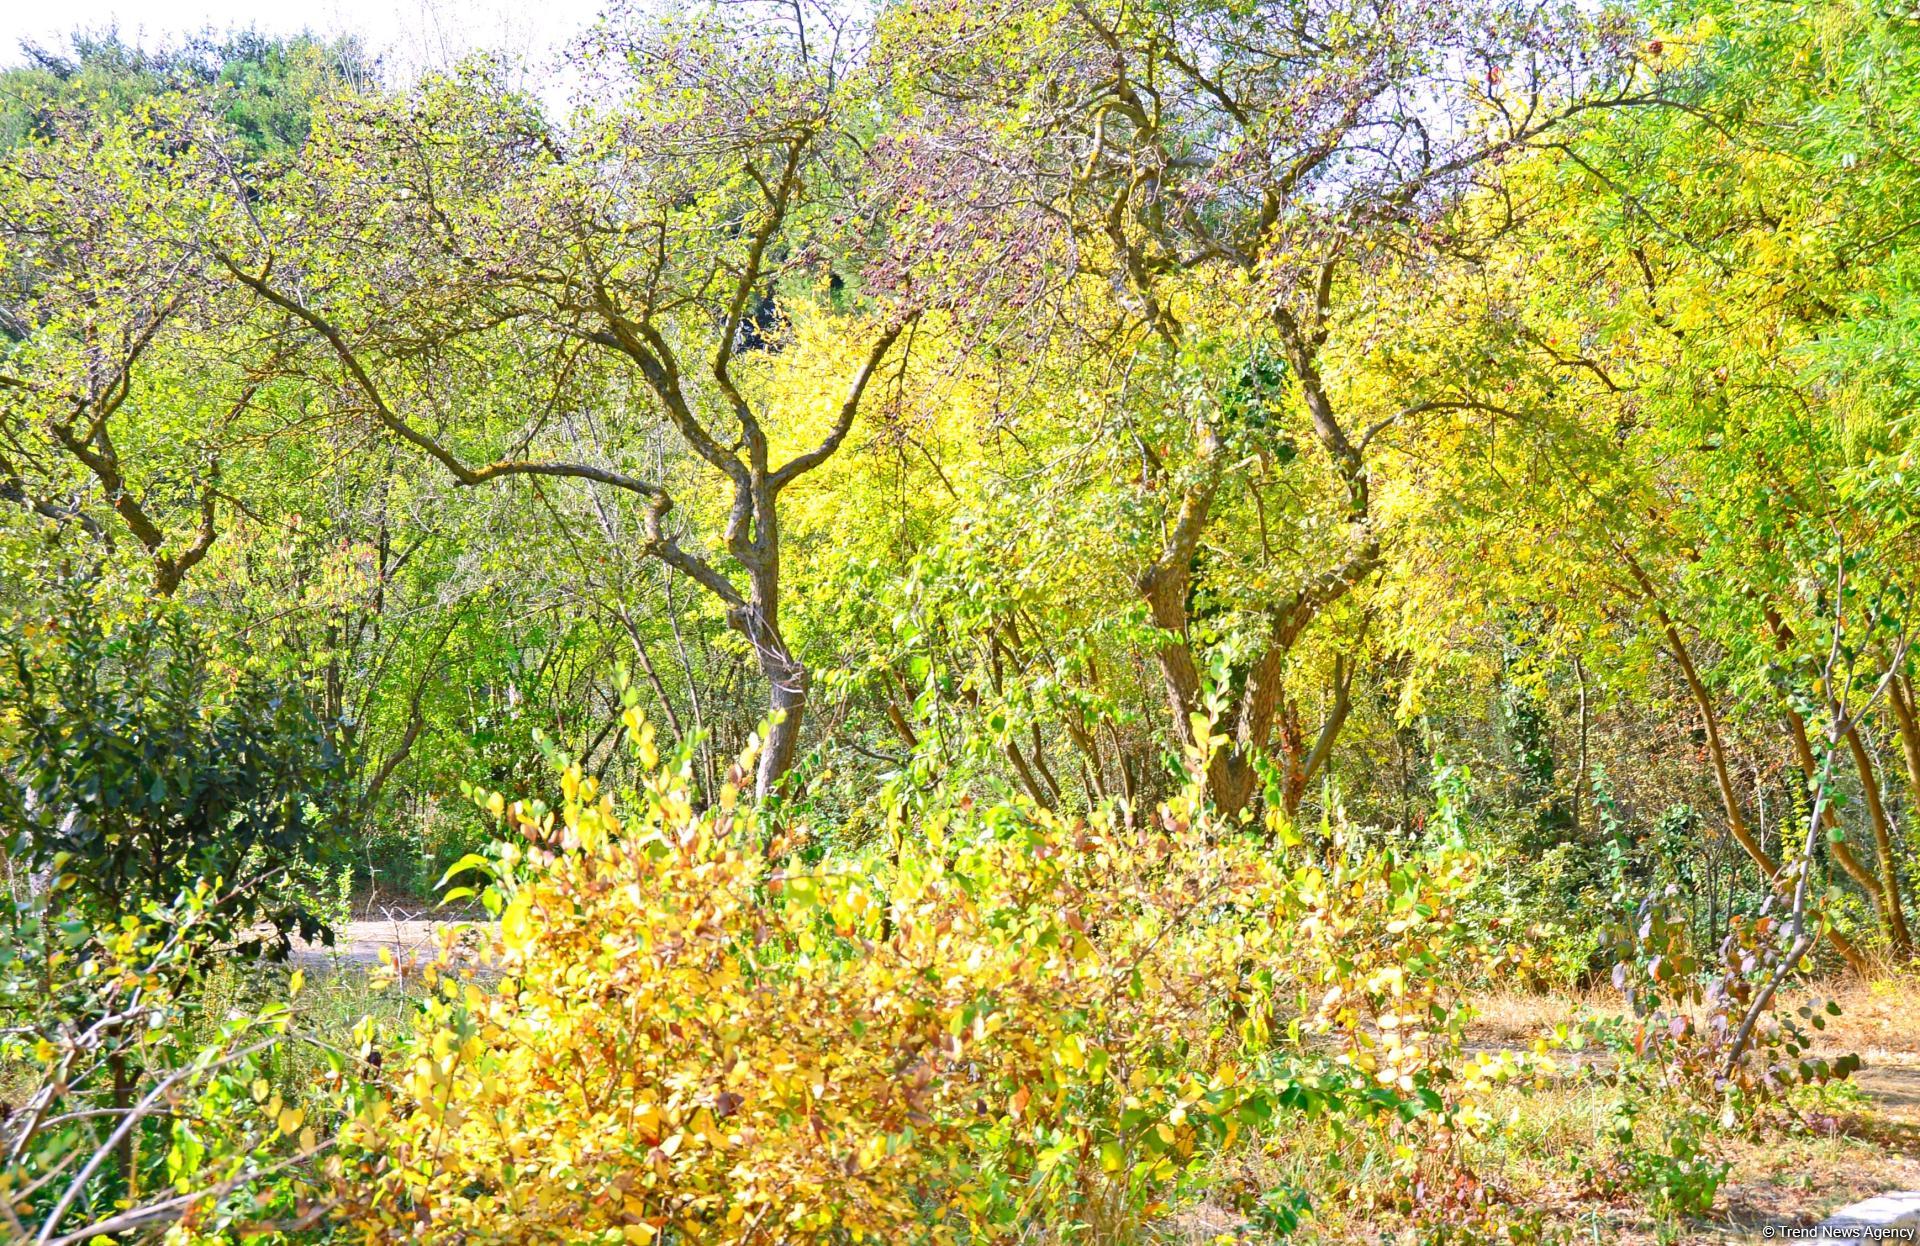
[
  {"x": 99, "y": 312},
  {"x": 470, "y": 279},
  {"x": 1692, "y": 446},
  {"x": 1233, "y": 174},
  {"x": 114, "y": 391}
]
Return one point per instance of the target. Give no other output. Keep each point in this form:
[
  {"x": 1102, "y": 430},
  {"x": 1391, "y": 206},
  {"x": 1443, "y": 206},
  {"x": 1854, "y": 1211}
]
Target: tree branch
[
  {"x": 461, "y": 471},
  {"x": 850, "y": 407}
]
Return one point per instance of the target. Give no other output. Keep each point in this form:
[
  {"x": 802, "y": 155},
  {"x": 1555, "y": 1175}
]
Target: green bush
[
  {"x": 684, "y": 1029},
  {"x": 144, "y": 768}
]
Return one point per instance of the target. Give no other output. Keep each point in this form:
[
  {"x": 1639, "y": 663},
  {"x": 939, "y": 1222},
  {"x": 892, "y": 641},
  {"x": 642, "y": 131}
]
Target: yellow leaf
[{"x": 515, "y": 926}]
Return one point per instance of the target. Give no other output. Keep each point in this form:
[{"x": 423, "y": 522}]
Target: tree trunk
[
  {"x": 1164, "y": 586},
  {"x": 1899, "y": 695},
  {"x": 1897, "y": 935},
  {"x": 1301, "y": 763},
  {"x": 1803, "y": 752},
  {"x": 787, "y": 679},
  {"x": 788, "y": 705},
  {"x": 1717, "y": 754}
]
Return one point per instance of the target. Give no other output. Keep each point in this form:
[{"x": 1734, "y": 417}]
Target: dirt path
[
  {"x": 1895, "y": 1087},
  {"x": 361, "y": 942}
]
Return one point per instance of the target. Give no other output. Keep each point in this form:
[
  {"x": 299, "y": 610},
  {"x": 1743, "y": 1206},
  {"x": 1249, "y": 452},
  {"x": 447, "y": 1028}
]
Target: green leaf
[{"x": 472, "y": 861}]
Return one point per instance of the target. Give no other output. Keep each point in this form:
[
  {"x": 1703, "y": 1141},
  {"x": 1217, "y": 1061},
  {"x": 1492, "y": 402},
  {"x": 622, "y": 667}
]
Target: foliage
[
  {"x": 1675, "y": 1171},
  {"x": 146, "y": 770},
  {"x": 1701, "y": 1050},
  {"x": 1221, "y": 524},
  {"x": 696, "y": 1032},
  {"x": 1687, "y": 1014},
  {"x": 267, "y": 86},
  {"x": 143, "y": 1106}
]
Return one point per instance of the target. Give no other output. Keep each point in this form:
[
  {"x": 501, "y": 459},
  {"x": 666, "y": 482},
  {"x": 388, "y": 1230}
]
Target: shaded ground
[{"x": 1896, "y": 1088}]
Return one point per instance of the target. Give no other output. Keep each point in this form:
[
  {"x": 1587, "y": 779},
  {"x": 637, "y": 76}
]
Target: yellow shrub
[{"x": 696, "y": 1036}]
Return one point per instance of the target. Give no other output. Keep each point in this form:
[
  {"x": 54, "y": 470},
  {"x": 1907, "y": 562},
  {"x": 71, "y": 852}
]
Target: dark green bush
[{"x": 138, "y": 766}]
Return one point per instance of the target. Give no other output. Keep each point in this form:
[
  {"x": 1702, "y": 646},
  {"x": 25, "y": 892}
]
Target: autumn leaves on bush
[
  {"x": 692, "y": 1024},
  {"x": 689, "y": 1029}
]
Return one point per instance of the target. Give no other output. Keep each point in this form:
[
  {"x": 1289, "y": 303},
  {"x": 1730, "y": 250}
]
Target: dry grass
[
  {"x": 1860, "y": 1139},
  {"x": 1853, "y": 1141},
  {"x": 1516, "y": 1018},
  {"x": 1879, "y": 1020}
]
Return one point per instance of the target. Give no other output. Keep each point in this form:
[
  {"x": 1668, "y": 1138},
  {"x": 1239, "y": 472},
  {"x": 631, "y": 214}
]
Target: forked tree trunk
[{"x": 1301, "y": 762}]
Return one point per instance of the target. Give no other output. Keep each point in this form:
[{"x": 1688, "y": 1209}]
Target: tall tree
[
  {"x": 1704, "y": 439},
  {"x": 1233, "y": 173},
  {"x": 486, "y": 286}
]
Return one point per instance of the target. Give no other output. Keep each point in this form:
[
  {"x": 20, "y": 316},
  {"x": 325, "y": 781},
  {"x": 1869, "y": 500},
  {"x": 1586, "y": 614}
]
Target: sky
[{"x": 409, "y": 35}]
